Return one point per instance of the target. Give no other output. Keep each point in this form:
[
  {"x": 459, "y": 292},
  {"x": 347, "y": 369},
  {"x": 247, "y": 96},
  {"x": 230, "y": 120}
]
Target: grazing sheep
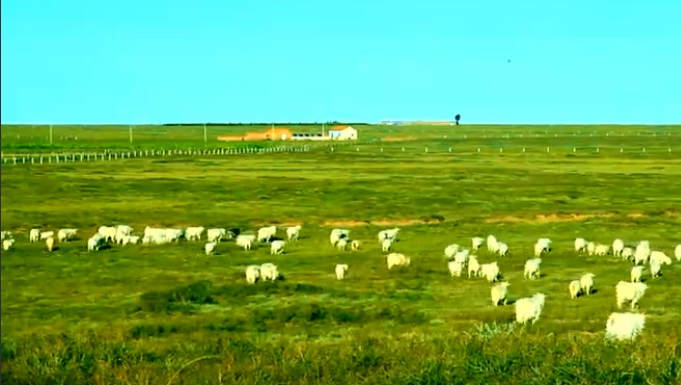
[
  {"x": 49, "y": 242},
  {"x": 395, "y": 259},
  {"x": 293, "y": 232},
  {"x": 492, "y": 244},
  {"x": 265, "y": 234},
  {"x": 277, "y": 247},
  {"x": 64, "y": 235},
  {"x": 629, "y": 291},
  {"x": 624, "y": 326},
  {"x": 174, "y": 235},
  {"x": 499, "y": 293},
  {"x": 451, "y": 250},
  {"x": 542, "y": 245},
  {"x": 341, "y": 271},
  {"x": 7, "y": 244},
  {"x": 532, "y": 268},
  {"x": 529, "y": 309},
  {"x": 5, "y": 235},
  {"x": 355, "y": 245},
  {"x": 602, "y": 250},
  {"x": 455, "y": 268},
  {"x": 122, "y": 231},
  {"x": 502, "y": 249},
  {"x": 95, "y": 242},
  {"x": 677, "y": 253},
  {"x": 194, "y": 233},
  {"x": 590, "y": 248},
  {"x": 617, "y": 247},
  {"x": 337, "y": 234},
  {"x": 462, "y": 256},
  {"x": 46, "y": 234},
  {"x": 580, "y": 244},
  {"x": 252, "y": 274},
  {"x": 108, "y": 232},
  {"x": 655, "y": 268},
  {"x": 574, "y": 288},
  {"x": 660, "y": 257},
  {"x": 386, "y": 244},
  {"x": 209, "y": 248},
  {"x": 342, "y": 244},
  {"x": 388, "y": 234},
  {"x": 269, "y": 271},
  {"x": 587, "y": 282},
  {"x": 129, "y": 239},
  {"x": 627, "y": 253},
  {"x": 473, "y": 266},
  {"x": 477, "y": 242},
  {"x": 636, "y": 273},
  {"x": 245, "y": 241},
  {"x": 490, "y": 271},
  {"x": 216, "y": 235},
  {"x": 34, "y": 235},
  {"x": 642, "y": 252}
]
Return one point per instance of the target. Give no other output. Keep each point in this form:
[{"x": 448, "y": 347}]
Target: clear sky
[{"x": 149, "y": 61}]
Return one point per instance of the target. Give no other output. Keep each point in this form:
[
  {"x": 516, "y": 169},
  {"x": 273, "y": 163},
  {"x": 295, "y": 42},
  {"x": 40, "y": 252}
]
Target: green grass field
[{"x": 169, "y": 314}]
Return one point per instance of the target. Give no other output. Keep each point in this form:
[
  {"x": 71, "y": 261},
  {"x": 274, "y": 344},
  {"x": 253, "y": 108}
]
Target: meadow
[{"x": 169, "y": 314}]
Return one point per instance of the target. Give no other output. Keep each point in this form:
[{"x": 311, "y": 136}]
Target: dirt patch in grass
[
  {"x": 635, "y": 215},
  {"x": 381, "y": 222},
  {"x": 397, "y": 138},
  {"x": 549, "y": 218}
]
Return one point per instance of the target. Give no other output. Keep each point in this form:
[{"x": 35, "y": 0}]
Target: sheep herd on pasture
[{"x": 460, "y": 261}]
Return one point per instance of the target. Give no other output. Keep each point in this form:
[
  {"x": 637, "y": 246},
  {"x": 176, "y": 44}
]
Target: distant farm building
[
  {"x": 343, "y": 133},
  {"x": 274, "y": 133}
]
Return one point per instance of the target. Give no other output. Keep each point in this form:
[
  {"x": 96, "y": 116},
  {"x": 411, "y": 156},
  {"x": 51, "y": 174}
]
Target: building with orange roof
[{"x": 343, "y": 133}]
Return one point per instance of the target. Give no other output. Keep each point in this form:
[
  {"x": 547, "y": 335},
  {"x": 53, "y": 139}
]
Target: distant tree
[{"x": 457, "y": 118}]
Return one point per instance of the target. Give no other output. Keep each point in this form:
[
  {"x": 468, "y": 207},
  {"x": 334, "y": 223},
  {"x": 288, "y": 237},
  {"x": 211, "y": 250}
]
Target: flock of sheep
[{"x": 619, "y": 325}]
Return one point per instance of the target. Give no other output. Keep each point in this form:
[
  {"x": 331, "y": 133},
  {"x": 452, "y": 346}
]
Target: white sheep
[
  {"x": 627, "y": 253},
  {"x": 7, "y": 244},
  {"x": 269, "y": 271},
  {"x": 492, "y": 244},
  {"x": 532, "y": 270},
  {"x": 209, "y": 247},
  {"x": 642, "y": 252},
  {"x": 636, "y": 273},
  {"x": 660, "y": 257},
  {"x": 677, "y": 253},
  {"x": 386, "y": 245},
  {"x": 574, "y": 288},
  {"x": 96, "y": 242},
  {"x": 396, "y": 259},
  {"x": 499, "y": 293},
  {"x": 245, "y": 241},
  {"x": 252, "y": 274},
  {"x": 655, "y": 268},
  {"x": 580, "y": 244},
  {"x": 216, "y": 234},
  {"x": 122, "y": 231},
  {"x": 46, "y": 234},
  {"x": 624, "y": 326},
  {"x": 490, "y": 271},
  {"x": 64, "y": 235},
  {"x": 34, "y": 235},
  {"x": 473, "y": 266},
  {"x": 388, "y": 234},
  {"x": 49, "y": 242},
  {"x": 108, "y": 232},
  {"x": 455, "y": 268},
  {"x": 529, "y": 309},
  {"x": 341, "y": 271},
  {"x": 355, "y": 244},
  {"x": 462, "y": 256},
  {"x": 342, "y": 244},
  {"x": 337, "y": 234},
  {"x": 617, "y": 247},
  {"x": 502, "y": 249},
  {"x": 174, "y": 235},
  {"x": 602, "y": 250},
  {"x": 5, "y": 235},
  {"x": 277, "y": 247},
  {"x": 129, "y": 239},
  {"x": 194, "y": 233},
  {"x": 477, "y": 242},
  {"x": 590, "y": 248},
  {"x": 629, "y": 291},
  {"x": 451, "y": 250},
  {"x": 265, "y": 234},
  {"x": 293, "y": 232},
  {"x": 542, "y": 245},
  {"x": 587, "y": 283}
]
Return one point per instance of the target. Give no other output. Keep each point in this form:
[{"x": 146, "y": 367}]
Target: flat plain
[{"x": 170, "y": 314}]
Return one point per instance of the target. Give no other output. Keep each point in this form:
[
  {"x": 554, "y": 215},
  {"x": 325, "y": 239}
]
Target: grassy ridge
[{"x": 137, "y": 314}]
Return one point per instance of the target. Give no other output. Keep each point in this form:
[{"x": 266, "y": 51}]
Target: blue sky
[{"x": 578, "y": 61}]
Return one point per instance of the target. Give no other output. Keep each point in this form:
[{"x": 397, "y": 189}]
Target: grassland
[{"x": 139, "y": 315}]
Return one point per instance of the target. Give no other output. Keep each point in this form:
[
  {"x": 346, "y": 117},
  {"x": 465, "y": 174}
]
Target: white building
[{"x": 343, "y": 133}]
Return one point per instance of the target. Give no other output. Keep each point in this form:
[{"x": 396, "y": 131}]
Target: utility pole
[
  {"x": 323, "y": 128},
  {"x": 130, "y": 132},
  {"x": 50, "y": 134},
  {"x": 205, "y": 135}
]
